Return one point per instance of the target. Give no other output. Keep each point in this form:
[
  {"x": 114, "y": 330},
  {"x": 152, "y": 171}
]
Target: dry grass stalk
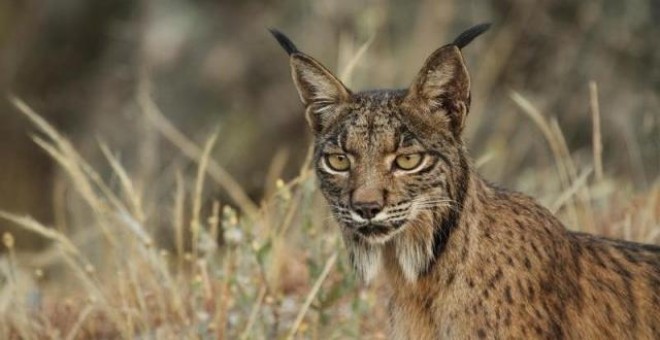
[
  {"x": 177, "y": 217},
  {"x": 195, "y": 223},
  {"x": 82, "y": 317},
  {"x": 347, "y": 71},
  {"x": 214, "y": 223},
  {"x": 579, "y": 183},
  {"x": 30, "y": 224},
  {"x": 254, "y": 312},
  {"x": 275, "y": 171},
  {"x": 132, "y": 196},
  {"x": 555, "y": 145},
  {"x": 312, "y": 294},
  {"x": 79, "y": 171},
  {"x": 585, "y": 214},
  {"x": 597, "y": 138},
  {"x": 222, "y": 300},
  {"x": 192, "y": 151}
]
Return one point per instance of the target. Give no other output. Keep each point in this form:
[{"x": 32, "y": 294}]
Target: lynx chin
[{"x": 464, "y": 258}]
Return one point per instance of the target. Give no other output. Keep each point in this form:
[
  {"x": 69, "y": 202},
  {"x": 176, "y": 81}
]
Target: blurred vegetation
[{"x": 134, "y": 89}]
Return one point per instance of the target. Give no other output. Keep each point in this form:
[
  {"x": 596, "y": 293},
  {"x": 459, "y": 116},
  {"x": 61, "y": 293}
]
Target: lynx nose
[
  {"x": 367, "y": 201},
  {"x": 367, "y": 210}
]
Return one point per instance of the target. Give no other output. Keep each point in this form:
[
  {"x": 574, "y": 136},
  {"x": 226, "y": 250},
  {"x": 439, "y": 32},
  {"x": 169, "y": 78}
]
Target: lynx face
[
  {"x": 391, "y": 163},
  {"x": 378, "y": 175}
]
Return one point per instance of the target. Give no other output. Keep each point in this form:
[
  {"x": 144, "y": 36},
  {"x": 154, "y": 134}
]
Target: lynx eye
[
  {"x": 408, "y": 161},
  {"x": 338, "y": 162}
]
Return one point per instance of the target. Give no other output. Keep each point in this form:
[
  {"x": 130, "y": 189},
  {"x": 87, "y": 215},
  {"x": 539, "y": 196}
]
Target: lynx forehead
[{"x": 464, "y": 258}]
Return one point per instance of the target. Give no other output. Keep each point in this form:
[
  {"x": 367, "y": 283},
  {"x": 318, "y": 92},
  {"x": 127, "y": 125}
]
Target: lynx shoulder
[{"x": 464, "y": 259}]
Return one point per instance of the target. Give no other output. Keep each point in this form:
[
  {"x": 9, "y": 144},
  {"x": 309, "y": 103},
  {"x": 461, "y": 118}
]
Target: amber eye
[
  {"x": 408, "y": 161},
  {"x": 338, "y": 162}
]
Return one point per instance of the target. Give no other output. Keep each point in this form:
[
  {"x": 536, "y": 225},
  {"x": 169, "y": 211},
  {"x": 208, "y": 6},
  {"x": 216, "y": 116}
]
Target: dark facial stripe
[
  {"x": 341, "y": 139},
  {"x": 440, "y": 156},
  {"x": 405, "y": 137},
  {"x": 428, "y": 168},
  {"x": 445, "y": 225}
]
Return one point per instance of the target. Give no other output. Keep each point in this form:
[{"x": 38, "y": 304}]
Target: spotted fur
[{"x": 464, "y": 259}]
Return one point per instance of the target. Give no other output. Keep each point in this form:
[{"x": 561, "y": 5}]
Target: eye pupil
[
  {"x": 409, "y": 161},
  {"x": 337, "y": 162}
]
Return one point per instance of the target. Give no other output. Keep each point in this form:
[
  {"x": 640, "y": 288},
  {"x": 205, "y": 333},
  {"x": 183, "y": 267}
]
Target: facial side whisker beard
[{"x": 414, "y": 247}]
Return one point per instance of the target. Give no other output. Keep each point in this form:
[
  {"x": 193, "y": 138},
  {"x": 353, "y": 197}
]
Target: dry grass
[
  {"x": 274, "y": 274},
  {"x": 197, "y": 268}
]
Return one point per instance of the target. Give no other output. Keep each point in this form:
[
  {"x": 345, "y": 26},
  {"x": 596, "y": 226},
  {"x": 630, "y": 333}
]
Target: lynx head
[{"x": 391, "y": 163}]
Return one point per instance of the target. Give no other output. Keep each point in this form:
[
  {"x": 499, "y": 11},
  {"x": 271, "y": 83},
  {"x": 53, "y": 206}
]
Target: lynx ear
[
  {"x": 442, "y": 87},
  {"x": 319, "y": 90}
]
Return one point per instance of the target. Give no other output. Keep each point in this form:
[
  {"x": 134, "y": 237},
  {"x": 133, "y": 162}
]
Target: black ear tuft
[
  {"x": 284, "y": 41},
  {"x": 469, "y": 35}
]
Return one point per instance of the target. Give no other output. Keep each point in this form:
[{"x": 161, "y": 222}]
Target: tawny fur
[
  {"x": 464, "y": 259},
  {"x": 511, "y": 270}
]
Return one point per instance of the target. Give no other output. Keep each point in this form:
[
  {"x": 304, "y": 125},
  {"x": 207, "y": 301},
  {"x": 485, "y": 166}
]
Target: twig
[{"x": 312, "y": 294}]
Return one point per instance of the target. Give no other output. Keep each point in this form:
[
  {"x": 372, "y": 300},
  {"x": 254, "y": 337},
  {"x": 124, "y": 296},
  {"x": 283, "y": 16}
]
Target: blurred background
[{"x": 212, "y": 67}]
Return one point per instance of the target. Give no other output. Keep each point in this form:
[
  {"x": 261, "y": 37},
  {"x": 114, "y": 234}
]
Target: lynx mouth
[{"x": 373, "y": 232}]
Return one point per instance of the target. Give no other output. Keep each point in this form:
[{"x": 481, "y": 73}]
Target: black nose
[{"x": 367, "y": 210}]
